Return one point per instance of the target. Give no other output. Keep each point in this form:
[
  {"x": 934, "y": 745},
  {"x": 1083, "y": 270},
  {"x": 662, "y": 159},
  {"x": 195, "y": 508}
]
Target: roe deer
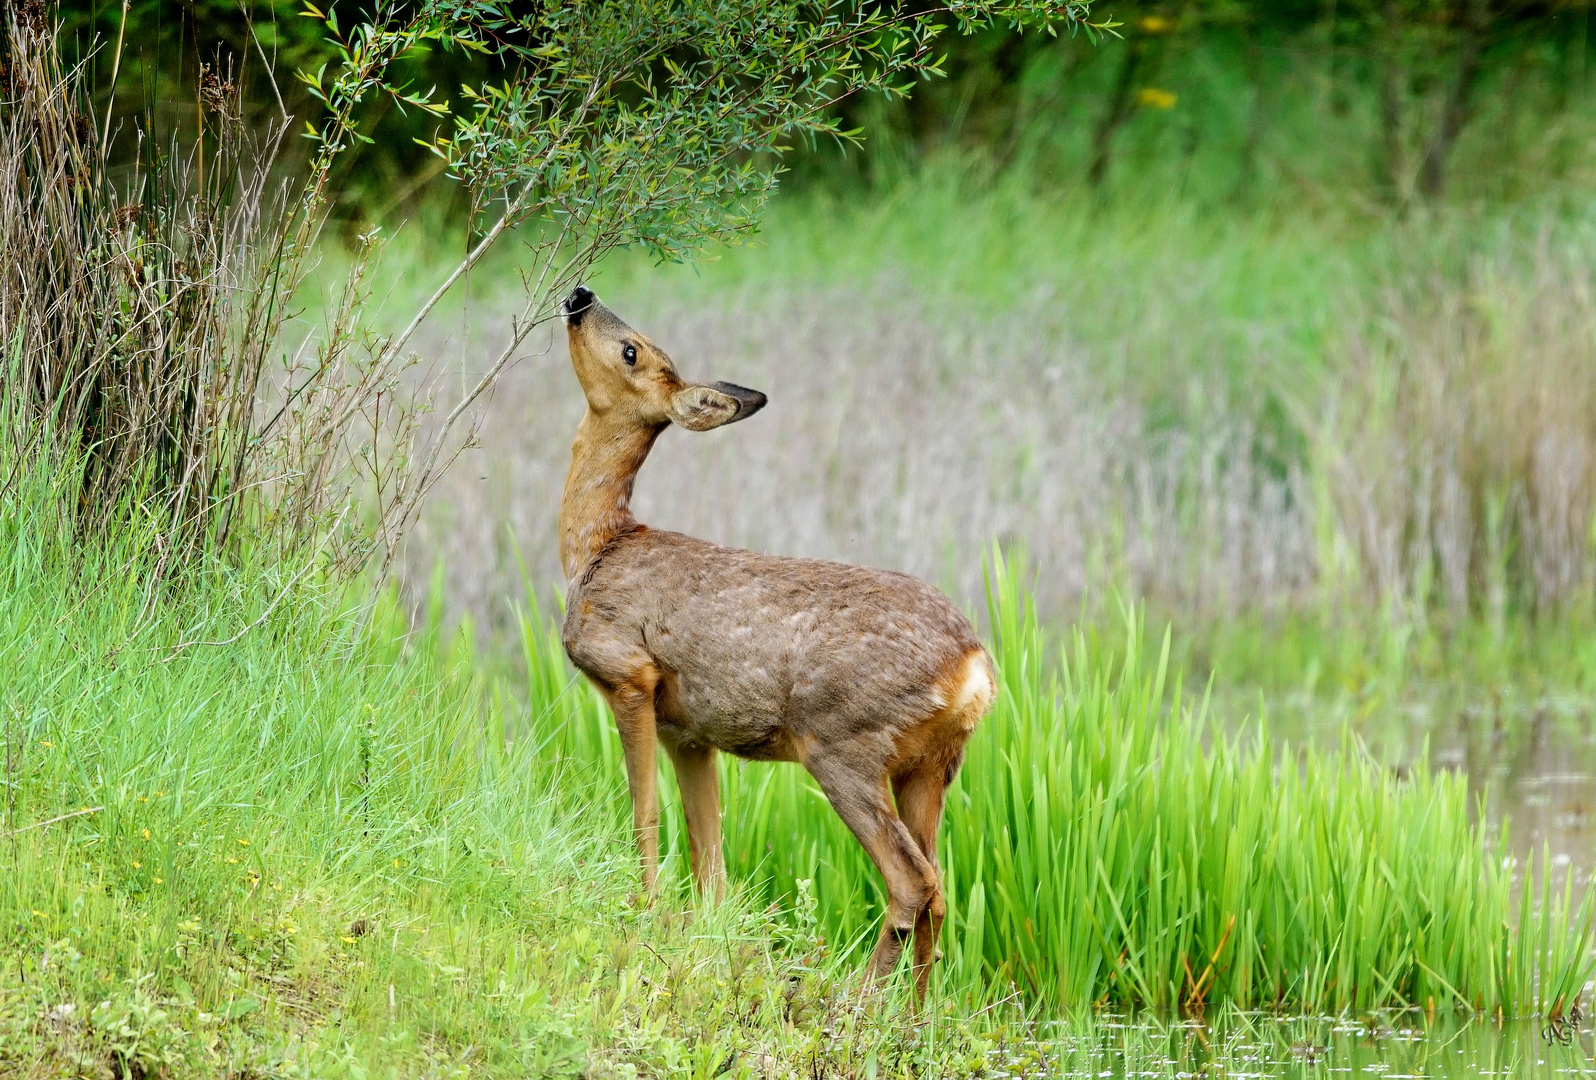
[{"x": 872, "y": 680}]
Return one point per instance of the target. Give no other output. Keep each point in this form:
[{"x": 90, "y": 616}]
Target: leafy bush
[{"x": 143, "y": 312}]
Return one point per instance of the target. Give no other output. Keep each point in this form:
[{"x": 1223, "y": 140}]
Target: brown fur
[{"x": 871, "y": 679}]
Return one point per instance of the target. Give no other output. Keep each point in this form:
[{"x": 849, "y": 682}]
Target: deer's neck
[{"x": 597, "y": 503}]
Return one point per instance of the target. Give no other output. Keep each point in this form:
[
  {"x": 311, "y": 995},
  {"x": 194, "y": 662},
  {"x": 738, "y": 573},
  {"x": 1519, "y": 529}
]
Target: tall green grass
[{"x": 1107, "y": 844}]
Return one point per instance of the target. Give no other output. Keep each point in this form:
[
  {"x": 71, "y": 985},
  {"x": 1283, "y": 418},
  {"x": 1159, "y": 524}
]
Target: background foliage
[
  {"x": 1257, "y": 101},
  {"x": 652, "y": 125}
]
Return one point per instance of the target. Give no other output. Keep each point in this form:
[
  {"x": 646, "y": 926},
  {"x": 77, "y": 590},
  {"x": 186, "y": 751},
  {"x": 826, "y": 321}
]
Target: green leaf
[{"x": 238, "y": 1007}]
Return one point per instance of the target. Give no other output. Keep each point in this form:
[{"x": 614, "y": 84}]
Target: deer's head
[{"x": 630, "y": 381}]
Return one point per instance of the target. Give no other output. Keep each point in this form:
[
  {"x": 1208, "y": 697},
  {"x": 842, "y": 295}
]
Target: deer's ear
[{"x": 700, "y": 408}]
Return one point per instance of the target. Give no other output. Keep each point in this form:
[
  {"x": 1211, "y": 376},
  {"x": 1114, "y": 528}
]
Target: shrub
[{"x": 143, "y": 308}]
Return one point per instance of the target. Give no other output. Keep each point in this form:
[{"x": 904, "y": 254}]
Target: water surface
[
  {"x": 1533, "y": 758},
  {"x": 1246, "y": 1046}
]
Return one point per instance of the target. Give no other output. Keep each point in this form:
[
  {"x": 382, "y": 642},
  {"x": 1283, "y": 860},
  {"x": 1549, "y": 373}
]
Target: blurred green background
[{"x": 1338, "y": 106}]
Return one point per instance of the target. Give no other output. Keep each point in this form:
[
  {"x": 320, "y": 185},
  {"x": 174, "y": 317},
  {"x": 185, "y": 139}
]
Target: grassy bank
[{"x": 284, "y": 844}]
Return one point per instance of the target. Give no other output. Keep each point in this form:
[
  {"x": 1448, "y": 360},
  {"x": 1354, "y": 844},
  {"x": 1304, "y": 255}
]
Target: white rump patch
[{"x": 975, "y": 688}]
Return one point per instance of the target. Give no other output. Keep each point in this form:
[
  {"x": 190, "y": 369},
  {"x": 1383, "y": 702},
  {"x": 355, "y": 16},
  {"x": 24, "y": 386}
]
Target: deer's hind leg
[
  {"x": 859, "y": 796},
  {"x": 927, "y": 758},
  {"x": 920, "y": 795}
]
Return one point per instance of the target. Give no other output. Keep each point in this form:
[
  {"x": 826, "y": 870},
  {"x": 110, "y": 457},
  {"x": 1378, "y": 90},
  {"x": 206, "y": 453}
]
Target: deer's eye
[{"x": 629, "y": 354}]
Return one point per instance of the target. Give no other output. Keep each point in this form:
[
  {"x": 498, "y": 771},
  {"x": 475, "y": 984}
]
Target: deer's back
[{"x": 758, "y": 653}]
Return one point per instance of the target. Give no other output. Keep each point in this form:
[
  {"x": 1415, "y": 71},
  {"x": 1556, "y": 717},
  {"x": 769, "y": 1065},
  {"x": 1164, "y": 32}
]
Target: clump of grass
[
  {"x": 148, "y": 277},
  {"x": 1108, "y": 844}
]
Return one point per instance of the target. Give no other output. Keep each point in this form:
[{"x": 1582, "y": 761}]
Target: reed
[{"x": 1108, "y": 844}]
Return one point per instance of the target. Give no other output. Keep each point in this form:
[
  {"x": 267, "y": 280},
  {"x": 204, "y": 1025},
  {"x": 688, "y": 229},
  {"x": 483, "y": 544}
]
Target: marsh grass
[
  {"x": 147, "y": 274},
  {"x": 1108, "y": 844},
  {"x": 1361, "y": 421}
]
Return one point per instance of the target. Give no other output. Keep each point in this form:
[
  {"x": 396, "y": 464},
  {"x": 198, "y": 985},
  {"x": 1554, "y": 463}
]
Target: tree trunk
[
  {"x": 1459, "y": 101},
  {"x": 1392, "y": 92},
  {"x": 1247, "y": 174},
  {"x": 1119, "y": 108}
]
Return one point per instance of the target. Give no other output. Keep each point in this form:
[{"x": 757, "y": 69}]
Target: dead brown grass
[
  {"x": 1458, "y": 438},
  {"x": 147, "y": 285},
  {"x": 894, "y": 440},
  {"x": 1448, "y": 459}
]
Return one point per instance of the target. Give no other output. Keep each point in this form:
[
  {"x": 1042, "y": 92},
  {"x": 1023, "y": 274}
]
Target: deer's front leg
[{"x": 633, "y": 705}]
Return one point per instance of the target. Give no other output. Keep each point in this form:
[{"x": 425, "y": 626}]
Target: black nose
[
  {"x": 748, "y": 401},
  {"x": 576, "y": 305}
]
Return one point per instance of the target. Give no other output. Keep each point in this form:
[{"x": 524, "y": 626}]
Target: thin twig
[
  {"x": 52, "y": 821},
  {"x": 995, "y": 1004},
  {"x": 267, "y": 64}
]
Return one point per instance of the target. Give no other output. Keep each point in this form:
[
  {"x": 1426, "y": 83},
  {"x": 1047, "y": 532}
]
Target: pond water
[
  {"x": 1535, "y": 762},
  {"x": 1245, "y": 1046},
  {"x": 1533, "y": 758}
]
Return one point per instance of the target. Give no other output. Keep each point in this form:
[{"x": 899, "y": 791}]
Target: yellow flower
[
  {"x": 146, "y": 834},
  {"x": 348, "y": 940},
  {"x": 157, "y": 881},
  {"x": 137, "y": 865},
  {"x": 41, "y": 914},
  {"x": 46, "y": 742},
  {"x": 1155, "y": 24},
  {"x": 143, "y": 799},
  {"x": 231, "y": 859},
  {"x": 244, "y": 842},
  {"x": 396, "y": 864},
  {"x": 160, "y": 794},
  {"x": 1154, "y": 98}
]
